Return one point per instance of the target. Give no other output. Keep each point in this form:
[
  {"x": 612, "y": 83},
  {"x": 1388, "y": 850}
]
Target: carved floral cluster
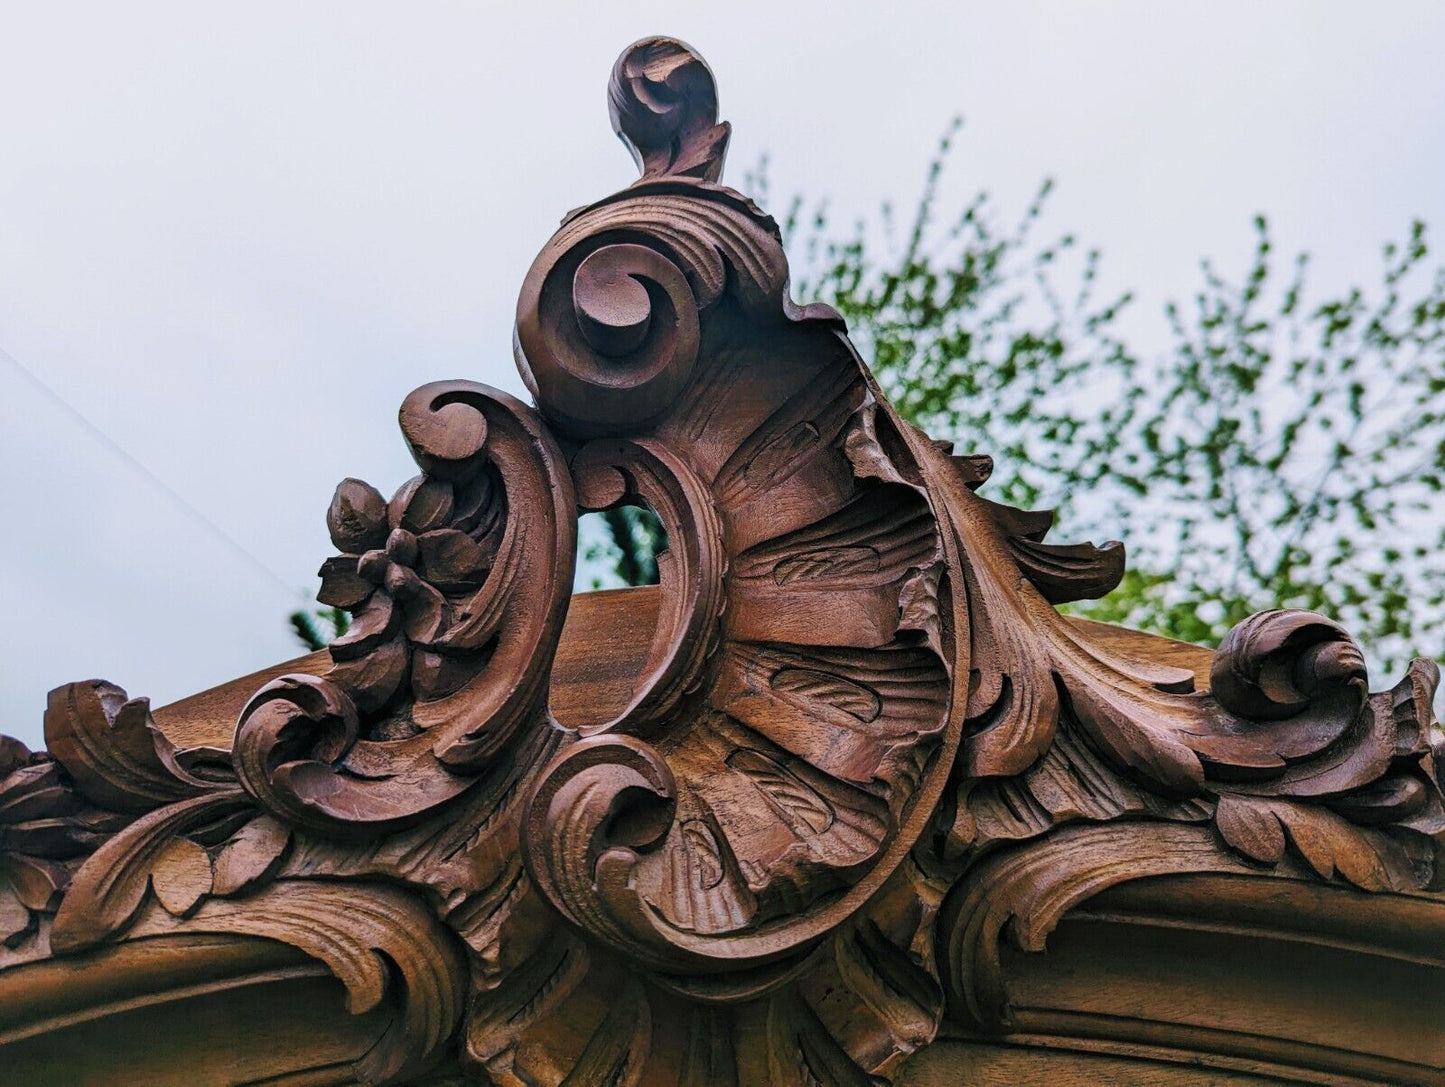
[{"x": 403, "y": 565}]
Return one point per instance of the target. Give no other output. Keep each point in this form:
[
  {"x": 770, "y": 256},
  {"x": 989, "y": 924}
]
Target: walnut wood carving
[{"x": 860, "y": 755}]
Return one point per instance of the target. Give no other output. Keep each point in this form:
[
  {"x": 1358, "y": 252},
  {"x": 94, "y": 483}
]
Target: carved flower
[
  {"x": 45, "y": 829},
  {"x": 402, "y": 567}
]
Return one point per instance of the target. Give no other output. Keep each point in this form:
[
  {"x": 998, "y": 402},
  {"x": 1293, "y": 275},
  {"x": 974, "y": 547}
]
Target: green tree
[
  {"x": 1291, "y": 454},
  {"x": 316, "y": 627},
  {"x": 619, "y": 547}
]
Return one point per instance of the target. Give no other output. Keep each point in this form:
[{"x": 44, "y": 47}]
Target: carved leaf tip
[
  {"x": 110, "y": 746},
  {"x": 1411, "y": 703},
  {"x": 662, "y": 98},
  {"x": 1064, "y": 573}
]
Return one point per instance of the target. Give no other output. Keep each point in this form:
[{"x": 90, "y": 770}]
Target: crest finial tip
[{"x": 663, "y": 101}]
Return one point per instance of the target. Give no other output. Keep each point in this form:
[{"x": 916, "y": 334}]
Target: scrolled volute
[
  {"x": 600, "y": 803},
  {"x": 296, "y": 727},
  {"x": 611, "y": 336},
  {"x": 615, "y": 310},
  {"x": 613, "y": 313},
  {"x": 1275, "y": 663}
]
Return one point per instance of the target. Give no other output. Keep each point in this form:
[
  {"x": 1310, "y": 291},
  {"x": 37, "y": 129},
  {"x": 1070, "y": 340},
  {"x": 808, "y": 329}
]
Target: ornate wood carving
[{"x": 862, "y": 748}]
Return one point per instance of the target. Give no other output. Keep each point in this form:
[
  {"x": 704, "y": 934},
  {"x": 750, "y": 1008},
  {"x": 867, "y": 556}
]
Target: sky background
[{"x": 236, "y": 237}]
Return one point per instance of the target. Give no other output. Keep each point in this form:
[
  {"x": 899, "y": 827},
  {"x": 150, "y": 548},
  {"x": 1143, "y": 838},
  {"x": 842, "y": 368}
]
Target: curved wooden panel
[{"x": 179, "y": 1010}]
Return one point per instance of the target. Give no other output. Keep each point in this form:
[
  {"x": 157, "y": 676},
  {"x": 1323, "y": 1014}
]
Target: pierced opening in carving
[{"x": 617, "y": 549}]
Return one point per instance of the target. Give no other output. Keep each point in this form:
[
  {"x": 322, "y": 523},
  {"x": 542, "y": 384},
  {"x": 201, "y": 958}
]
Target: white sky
[{"x": 235, "y": 237}]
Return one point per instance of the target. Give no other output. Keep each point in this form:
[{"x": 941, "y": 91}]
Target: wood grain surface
[{"x": 845, "y": 799}]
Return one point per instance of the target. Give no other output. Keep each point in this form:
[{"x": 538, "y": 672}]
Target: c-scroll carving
[{"x": 459, "y": 586}]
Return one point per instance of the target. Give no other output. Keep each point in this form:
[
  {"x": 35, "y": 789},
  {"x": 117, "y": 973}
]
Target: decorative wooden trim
[{"x": 861, "y": 752}]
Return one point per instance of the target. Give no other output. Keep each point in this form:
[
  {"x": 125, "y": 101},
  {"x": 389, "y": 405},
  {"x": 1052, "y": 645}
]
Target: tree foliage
[
  {"x": 317, "y": 627},
  {"x": 966, "y": 329},
  {"x": 619, "y": 547},
  {"x": 1290, "y": 453}
]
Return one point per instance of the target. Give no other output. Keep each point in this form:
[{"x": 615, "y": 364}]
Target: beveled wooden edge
[
  {"x": 182, "y": 1009},
  {"x": 1405, "y": 926},
  {"x": 1068, "y": 1001},
  {"x": 601, "y": 648},
  {"x": 208, "y": 718},
  {"x": 1204, "y": 1053},
  {"x": 47, "y": 994}
]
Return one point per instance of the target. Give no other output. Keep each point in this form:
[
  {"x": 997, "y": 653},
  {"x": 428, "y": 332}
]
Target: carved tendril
[{"x": 1275, "y": 663}]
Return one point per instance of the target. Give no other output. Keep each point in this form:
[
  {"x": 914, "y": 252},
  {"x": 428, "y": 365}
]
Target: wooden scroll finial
[
  {"x": 663, "y": 102},
  {"x": 862, "y": 748}
]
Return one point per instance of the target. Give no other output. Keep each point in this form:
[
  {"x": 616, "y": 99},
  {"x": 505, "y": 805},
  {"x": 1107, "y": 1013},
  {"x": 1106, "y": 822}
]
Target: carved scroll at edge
[
  {"x": 129, "y": 835},
  {"x": 1022, "y": 894},
  {"x": 1287, "y": 750},
  {"x": 203, "y": 860},
  {"x": 1019, "y": 896}
]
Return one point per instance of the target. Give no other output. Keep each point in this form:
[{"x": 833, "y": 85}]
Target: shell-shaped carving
[{"x": 796, "y": 699}]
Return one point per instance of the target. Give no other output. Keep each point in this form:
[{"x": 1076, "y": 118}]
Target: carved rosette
[{"x": 862, "y": 751}]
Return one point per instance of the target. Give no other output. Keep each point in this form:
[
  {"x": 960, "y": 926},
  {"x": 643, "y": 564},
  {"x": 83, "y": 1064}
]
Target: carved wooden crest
[{"x": 862, "y": 747}]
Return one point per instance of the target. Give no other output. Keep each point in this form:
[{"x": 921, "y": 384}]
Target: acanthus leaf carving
[
  {"x": 112, "y": 750},
  {"x": 860, "y": 750},
  {"x": 47, "y": 828},
  {"x": 151, "y": 855}
]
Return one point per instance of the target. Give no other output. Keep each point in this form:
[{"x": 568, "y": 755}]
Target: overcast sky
[{"x": 235, "y": 237}]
